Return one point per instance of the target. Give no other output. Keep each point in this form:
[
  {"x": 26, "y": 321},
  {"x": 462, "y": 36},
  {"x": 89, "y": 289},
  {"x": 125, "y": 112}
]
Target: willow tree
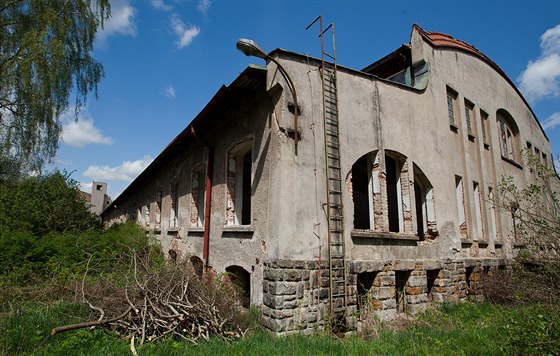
[{"x": 46, "y": 63}]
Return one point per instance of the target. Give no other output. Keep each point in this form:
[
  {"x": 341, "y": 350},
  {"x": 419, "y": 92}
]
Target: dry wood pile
[{"x": 170, "y": 300}]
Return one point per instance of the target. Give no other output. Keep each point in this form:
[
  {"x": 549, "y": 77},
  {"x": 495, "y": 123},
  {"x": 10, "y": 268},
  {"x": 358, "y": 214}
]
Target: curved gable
[{"x": 445, "y": 41}]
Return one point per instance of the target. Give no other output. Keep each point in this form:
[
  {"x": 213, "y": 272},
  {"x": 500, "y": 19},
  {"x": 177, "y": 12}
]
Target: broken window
[
  {"x": 508, "y": 133},
  {"x": 394, "y": 198},
  {"x": 159, "y": 196},
  {"x": 461, "y": 217},
  {"x": 239, "y": 172},
  {"x": 477, "y": 212},
  {"x": 425, "y": 210},
  {"x": 490, "y": 213},
  {"x": 469, "y": 116},
  {"x": 361, "y": 192},
  {"x": 174, "y": 207},
  {"x": 451, "y": 106},
  {"x": 197, "y": 199},
  {"x": 484, "y": 128}
]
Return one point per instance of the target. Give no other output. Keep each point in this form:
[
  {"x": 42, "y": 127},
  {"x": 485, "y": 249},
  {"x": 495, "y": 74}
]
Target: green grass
[{"x": 454, "y": 329}]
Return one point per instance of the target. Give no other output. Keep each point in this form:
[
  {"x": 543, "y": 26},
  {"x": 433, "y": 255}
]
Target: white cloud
[
  {"x": 82, "y": 132},
  {"x": 161, "y": 5},
  {"x": 127, "y": 171},
  {"x": 184, "y": 33},
  {"x": 204, "y": 5},
  {"x": 169, "y": 91},
  {"x": 121, "y": 21},
  {"x": 541, "y": 78},
  {"x": 552, "y": 121},
  {"x": 86, "y": 187},
  {"x": 550, "y": 41}
]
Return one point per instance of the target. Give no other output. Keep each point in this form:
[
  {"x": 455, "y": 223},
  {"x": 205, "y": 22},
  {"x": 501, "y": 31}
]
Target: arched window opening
[
  {"x": 361, "y": 177},
  {"x": 239, "y": 173},
  {"x": 242, "y": 280},
  {"x": 197, "y": 265},
  {"x": 508, "y": 133}
]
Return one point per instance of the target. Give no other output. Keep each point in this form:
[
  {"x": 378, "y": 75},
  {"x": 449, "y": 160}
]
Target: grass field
[{"x": 453, "y": 329}]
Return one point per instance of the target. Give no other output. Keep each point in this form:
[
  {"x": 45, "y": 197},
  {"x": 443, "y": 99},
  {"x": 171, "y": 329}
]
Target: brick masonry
[{"x": 296, "y": 294}]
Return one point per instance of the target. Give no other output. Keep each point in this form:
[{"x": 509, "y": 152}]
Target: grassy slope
[{"x": 467, "y": 329}]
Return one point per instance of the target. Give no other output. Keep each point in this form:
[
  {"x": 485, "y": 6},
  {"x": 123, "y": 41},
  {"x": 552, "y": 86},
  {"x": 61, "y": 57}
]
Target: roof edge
[{"x": 467, "y": 48}]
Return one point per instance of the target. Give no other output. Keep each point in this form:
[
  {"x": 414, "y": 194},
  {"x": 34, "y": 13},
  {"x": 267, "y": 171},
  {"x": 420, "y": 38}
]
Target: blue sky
[{"x": 165, "y": 59}]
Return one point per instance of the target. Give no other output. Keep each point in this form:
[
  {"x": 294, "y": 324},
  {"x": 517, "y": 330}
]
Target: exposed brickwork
[{"x": 407, "y": 186}]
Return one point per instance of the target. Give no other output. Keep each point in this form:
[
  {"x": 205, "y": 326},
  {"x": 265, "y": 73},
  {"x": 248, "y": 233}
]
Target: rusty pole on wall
[{"x": 207, "y": 197}]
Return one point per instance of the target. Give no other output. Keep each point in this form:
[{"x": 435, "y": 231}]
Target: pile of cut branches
[{"x": 167, "y": 300}]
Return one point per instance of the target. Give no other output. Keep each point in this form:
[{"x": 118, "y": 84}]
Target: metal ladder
[{"x": 334, "y": 205}]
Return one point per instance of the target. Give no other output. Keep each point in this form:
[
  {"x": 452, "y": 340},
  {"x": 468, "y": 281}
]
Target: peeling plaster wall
[{"x": 288, "y": 222}]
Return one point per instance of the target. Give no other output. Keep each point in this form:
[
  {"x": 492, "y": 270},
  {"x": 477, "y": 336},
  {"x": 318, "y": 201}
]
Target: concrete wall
[{"x": 286, "y": 244}]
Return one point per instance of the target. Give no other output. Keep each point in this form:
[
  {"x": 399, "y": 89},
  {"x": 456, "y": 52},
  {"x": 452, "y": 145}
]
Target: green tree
[
  {"x": 535, "y": 209},
  {"x": 45, "y": 58},
  {"x": 44, "y": 204}
]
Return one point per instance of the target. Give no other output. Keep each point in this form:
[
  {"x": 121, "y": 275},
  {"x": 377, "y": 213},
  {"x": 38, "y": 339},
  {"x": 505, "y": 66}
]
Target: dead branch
[{"x": 87, "y": 324}]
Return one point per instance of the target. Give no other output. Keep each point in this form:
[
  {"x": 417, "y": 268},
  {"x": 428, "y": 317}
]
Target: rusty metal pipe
[{"x": 207, "y": 197}]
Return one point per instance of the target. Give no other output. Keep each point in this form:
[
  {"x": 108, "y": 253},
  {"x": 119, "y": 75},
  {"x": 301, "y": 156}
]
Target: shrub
[{"x": 45, "y": 204}]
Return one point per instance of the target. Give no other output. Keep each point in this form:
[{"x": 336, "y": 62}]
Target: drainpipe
[
  {"x": 208, "y": 200},
  {"x": 207, "y": 197}
]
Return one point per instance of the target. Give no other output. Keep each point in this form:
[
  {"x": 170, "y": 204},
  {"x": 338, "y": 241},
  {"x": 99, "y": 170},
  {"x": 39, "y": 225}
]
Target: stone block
[
  {"x": 414, "y": 290},
  {"x": 417, "y": 281},
  {"x": 438, "y": 297},
  {"x": 389, "y": 304},
  {"x": 272, "y": 275},
  {"x": 417, "y": 299},
  {"x": 404, "y": 265},
  {"x": 300, "y": 288},
  {"x": 293, "y": 275},
  {"x": 382, "y": 292},
  {"x": 387, "y": 280},
  {"x": 432, "y": 264},
  {"x": 437, "y": 289},
  {"x": 282, "y": 288}
]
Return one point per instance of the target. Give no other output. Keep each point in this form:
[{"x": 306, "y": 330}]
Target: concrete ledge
[
  {"x": 371, "y": 234},
  {"x": 238, "y": 231}
]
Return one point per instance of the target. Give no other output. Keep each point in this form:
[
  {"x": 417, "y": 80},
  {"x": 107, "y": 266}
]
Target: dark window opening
[
  {"x": 468, "y": 273},
  {"x": 392, "y": 193},
  {"x": 246, "y": 197},
  {"x": 431, "y": 276},
  {"x": 401, "y": 278},
  {"x": 360, "y": 193},
  {"x": 365, "y": 282},
  {"x": 99, "y": 187},
  {"x": 420, "y": 201},
  {"x": 197, "y": 266},
  {"x": 242, "y": 280}
]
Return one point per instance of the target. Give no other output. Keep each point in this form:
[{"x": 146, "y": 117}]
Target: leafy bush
[
  {"x": 45, "y": 204},
  {"x": 30, "y": 259}
]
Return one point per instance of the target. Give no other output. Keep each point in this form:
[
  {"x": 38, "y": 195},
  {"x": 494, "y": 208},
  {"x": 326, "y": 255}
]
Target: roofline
[
  {"x": 188, "y": 131},
  {"x": 476, "y": 53}
]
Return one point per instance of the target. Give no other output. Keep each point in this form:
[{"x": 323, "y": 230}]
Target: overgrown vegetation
[
  {"x": 454, "y": 329},
  {"x": 534, "y": 209}
]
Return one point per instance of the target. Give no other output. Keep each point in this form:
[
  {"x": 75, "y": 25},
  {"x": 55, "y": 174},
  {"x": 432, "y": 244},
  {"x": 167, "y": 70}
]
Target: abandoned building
[
  {"x": 98, "y": 200},
  {"x": 320, "y": 187}
]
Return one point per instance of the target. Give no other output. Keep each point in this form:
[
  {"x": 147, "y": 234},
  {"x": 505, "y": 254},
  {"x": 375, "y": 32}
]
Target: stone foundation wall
[{"x": 296, "y": 294}]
